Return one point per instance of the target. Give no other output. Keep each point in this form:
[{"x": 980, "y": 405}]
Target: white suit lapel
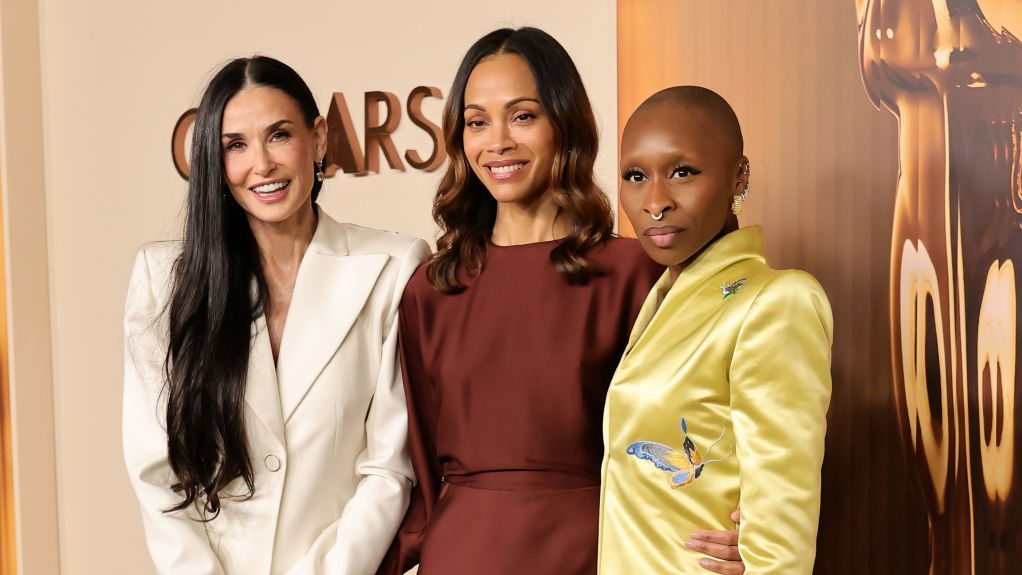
[
  {"x": 331, "y": 289},
  {"x": 261, "y": 385}
]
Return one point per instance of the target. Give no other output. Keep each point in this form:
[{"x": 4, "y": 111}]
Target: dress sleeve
[
  {"x": 647, "y": 275},
  {"x": 640, "y": 276},
  {"x": 422, "y": 424},
  {"x": 177, "y": 541},
  {"x": 780, "y": 391}
]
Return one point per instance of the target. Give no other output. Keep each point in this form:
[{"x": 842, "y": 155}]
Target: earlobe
[
  {"x": 739, "y": 199},
  {"x": 319, "y": 131}
]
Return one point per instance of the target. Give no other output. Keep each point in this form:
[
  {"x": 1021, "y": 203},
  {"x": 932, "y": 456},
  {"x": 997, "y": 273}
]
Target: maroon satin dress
[{"x": 506, "y": 384}]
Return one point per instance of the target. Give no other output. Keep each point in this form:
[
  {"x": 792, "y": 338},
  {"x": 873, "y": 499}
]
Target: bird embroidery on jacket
[{"x": 685, "y": 466}]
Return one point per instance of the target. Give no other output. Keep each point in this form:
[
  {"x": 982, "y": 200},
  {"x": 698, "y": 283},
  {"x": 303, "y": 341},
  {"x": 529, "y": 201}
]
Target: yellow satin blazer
[{"x": 720, "y": 399}]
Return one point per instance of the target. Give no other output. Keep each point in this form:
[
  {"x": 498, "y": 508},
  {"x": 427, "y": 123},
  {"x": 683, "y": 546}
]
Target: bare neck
[
  {"x": 730, "y": 225},
  {"x": 529, "y": 222},
  {"x": 282, "y": 245}
]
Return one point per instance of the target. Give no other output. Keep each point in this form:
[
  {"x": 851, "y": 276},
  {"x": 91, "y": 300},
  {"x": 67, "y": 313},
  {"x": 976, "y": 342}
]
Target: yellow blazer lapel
[
  {"x": 648, "y": 309},
  {"x": 331, "y": 289},
  {"x": 261, "y": 384},
  {"x": 697, "y": 279}
]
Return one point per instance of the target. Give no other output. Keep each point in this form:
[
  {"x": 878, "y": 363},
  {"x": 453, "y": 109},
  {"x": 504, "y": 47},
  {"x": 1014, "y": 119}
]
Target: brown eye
[
  {"x": 684, "y": 172},
  {"x": 634, "y": 176}
]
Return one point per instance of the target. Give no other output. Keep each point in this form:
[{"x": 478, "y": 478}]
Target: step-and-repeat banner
[
  {"x": 886, "y": 145},
  {"x": 117, "y": 76},
  {"x": 885, "y": 138}
]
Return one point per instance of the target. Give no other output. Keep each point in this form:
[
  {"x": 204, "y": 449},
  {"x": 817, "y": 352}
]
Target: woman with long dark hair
[
  {"x": 255, "y": 445},
  {"x": 512, "y": 330}
]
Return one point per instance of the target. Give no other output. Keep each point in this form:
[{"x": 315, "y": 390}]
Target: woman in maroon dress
[{"x": 511, "y": 332}]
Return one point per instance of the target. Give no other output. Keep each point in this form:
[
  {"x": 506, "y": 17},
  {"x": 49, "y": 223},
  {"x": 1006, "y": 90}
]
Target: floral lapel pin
[{"x": 731, "y": 288}]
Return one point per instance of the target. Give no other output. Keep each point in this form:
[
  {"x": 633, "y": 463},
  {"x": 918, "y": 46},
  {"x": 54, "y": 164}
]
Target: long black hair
[
  {"x": 465, "y": 210},
  {"x": 213, "y": 303}
]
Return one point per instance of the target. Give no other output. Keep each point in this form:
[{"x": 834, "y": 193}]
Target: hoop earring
[{"x": 319, "y": 171}]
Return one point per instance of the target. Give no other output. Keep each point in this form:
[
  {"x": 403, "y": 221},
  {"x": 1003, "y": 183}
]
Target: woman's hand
[{"x": 721, "y": 545}]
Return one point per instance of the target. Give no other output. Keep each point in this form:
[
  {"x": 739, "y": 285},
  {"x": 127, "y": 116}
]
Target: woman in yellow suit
[{"x": 721, "y": 396}]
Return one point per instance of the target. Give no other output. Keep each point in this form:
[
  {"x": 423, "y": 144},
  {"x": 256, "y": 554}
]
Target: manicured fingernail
[
  {"x": 705, "y": 563},
  {"x": 690, "y": 544}
]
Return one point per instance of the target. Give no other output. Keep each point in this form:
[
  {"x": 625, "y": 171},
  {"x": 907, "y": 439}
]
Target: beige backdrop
[{"x": 114, "y": 76}]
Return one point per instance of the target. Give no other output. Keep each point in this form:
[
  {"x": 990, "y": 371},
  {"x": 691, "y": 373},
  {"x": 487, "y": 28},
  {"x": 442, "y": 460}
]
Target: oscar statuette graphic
[{"x": 951, "y": 72}]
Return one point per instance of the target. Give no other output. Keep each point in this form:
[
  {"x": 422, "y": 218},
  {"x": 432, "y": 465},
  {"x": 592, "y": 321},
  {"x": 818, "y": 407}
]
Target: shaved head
[
  {"x": 681, "y": 169},
  {"x": 714, "y": 108}
]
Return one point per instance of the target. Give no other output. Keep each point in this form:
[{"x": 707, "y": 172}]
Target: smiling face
[
  {"x": 269, "y": 151},
  {"x": 676, "y": 162},
  {"x": 508, "y": 139}
]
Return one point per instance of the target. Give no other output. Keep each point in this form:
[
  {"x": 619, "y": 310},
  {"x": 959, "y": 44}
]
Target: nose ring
[{"x": 660, "y": 216}]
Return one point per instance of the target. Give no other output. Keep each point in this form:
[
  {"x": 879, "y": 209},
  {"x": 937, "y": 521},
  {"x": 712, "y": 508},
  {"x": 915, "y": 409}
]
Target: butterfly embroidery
[
  {"x": 685, "y": 466},
  {"x": 731, "y": 288}
]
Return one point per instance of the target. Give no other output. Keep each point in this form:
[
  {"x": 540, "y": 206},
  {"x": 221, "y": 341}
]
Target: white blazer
[{"x": 326, "y": 427}]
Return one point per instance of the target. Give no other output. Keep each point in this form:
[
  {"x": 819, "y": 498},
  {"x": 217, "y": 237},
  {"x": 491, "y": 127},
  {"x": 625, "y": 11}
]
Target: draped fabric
[{"x": 506, "y": 384}]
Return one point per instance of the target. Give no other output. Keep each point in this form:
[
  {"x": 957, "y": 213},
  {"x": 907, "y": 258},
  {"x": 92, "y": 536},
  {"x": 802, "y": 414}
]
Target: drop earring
[
  {"x": 738, "y": 202},
  {"x": 319, "y": 171}
]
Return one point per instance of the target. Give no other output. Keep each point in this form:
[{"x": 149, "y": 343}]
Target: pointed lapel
[
  {"x": 330, "y": 291},
  {"x": 742, "y": 244},
  {"x": 649, "y": 309},
  {"x": 261, "y": 385}
]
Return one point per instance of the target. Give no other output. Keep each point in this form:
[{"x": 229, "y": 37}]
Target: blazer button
[{"x": 272, "y": 462}]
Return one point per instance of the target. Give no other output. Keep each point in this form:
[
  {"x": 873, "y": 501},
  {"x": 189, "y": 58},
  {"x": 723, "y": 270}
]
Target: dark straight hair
[
  {"x": 465, "y": 210},
  {"x": 213, "y": 304}
]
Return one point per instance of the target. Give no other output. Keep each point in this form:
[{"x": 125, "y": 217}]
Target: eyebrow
[
  {"x": 679, "y": 160},
  {"x": 506, "y": 106},
  {"x": 272, "y": 127}
]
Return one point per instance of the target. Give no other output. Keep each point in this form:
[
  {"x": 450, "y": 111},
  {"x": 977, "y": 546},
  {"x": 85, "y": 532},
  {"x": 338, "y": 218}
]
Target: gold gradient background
[
  {"x": 8, "y": 564},
  {"x": 824, "y": 168}
]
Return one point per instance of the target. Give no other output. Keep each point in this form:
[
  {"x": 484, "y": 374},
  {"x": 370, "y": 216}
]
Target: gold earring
[{"x": 738, "y": 202}]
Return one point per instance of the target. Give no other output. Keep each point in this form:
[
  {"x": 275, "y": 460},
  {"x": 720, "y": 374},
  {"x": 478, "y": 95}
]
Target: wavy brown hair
[{"x": 465, "y": 210}]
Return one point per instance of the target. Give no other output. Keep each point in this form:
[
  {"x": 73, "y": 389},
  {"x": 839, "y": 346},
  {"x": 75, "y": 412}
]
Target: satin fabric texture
[
  {"x": 742, "y": 352},
  {"x": 326, "y": 425},
  {"x": 506, "y": 384}
]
